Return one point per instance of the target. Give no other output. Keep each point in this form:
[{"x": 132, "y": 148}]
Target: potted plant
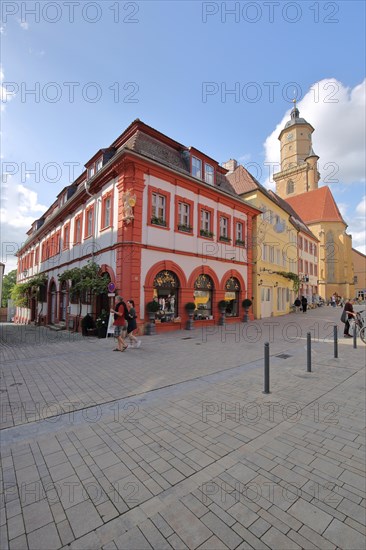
[
  {"x": 152, "y": 308},
  {"x": 87, "y": 324},
  {"x": 190, "y": 307},
  {"x": 222, "y": 308},
  {"x": 102, "y": 324},
  {"x": 246, "y": 305}
]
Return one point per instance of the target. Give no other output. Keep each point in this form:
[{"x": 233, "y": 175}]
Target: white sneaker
[{"x": 138, "y": 343}]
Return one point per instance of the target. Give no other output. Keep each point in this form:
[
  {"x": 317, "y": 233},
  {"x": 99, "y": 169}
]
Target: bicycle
[{"x": 358, "y": 323}]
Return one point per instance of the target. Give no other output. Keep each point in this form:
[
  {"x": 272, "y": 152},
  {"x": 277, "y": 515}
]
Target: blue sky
[{"x": 170, "y": 64}]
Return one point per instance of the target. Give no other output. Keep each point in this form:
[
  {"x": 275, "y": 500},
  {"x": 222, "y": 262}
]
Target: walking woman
[
  {"x": 132, "y": 325},
  {"x": 120, "y": 320},
  {"x": 304, "y": 304}
]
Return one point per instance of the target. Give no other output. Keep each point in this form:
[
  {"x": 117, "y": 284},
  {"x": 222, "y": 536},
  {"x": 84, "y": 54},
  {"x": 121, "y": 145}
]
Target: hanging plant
[{"x": 291, "y": 277}]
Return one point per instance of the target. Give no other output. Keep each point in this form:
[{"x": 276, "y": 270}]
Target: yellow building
[
  {"x": 359, "y": 265},
  {"x": 297, "y": 183},
  {"x": 274, "y": 246}
]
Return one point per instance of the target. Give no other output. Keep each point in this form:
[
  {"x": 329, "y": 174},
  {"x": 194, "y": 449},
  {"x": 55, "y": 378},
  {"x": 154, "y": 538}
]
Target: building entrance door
[{"x": 266, "y": 301}]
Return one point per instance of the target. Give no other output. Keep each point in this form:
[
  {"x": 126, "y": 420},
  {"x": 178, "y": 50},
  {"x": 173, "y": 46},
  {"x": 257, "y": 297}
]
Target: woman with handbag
[
  {"x": 347, "y": 314},
  {"x": 132, "y": 325}
]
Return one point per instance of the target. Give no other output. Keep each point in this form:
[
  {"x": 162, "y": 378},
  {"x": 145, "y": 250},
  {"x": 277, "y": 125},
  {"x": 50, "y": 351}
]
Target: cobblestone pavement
[{"x": 174, "y": 445}]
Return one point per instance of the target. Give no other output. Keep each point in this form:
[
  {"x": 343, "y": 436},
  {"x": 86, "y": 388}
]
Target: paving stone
[
  {"x": 65, "y": 533},
  {"x": 177, "y": 543},
  {"x": 259, "y": 527},
  {"x": 310, "y": 515},
  {"x": 37, "y": 515},
  {"x": 45, "y": 538},
  {"x": 244, "y": 515},
  {"x": 133, "y": 539},
  {"x": 344, "y": 536},
  {"x": 251, "y": 539},
  {"x": 162, "y": 525},
  {"x": 185, "y": 524},
  {"x": 89, "y": 542},
  {"x": 213, "y": 543},
  {"x": 221, "y": 530},
  {"x": 83, "y": 518},
  {"x": 153, "y": 535},
  {"x": 279, "y": 541},
  {"x": 15, "y": 527},
  {"x": 355, "y": 480},
  {"x": 194, "y": 505}
]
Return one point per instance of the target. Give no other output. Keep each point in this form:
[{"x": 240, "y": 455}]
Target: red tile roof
[{"x": 316, "y": 206}]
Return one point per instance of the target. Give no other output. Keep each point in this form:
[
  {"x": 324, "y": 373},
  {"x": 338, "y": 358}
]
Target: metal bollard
[
  {"x": 335, "y": 334},
  {"x": 355, "y": 336},
  {"x": 266, "y": 368},
  {"x": 308, "y": 348}
]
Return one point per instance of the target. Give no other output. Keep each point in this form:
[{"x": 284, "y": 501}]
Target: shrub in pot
[
  {"x": 190, "y": 307},
  {"x": 246, "y": 305}
]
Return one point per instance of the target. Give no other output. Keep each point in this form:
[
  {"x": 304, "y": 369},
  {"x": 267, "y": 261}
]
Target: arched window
[
  {"x": 232, "y": 293},
  {"x": 63, "y": 301},
  {"x": 203, "y": 288},
  {"x": 330, "y": 259},
  {"x": 166, "y": 285},
  {"x": 290, "y": 187}
]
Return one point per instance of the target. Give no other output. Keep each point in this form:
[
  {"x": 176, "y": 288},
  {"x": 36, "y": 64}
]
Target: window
[
  {"x": 66, "y": 237},
  {"x": 107, "y": 203},
  {"x": 300, "y": 243},
  {"x": 239, "y": 234},
  {"x": 290, "y": 188},
  {"x": 316, "y": 270},
  {"x": 311, "y": 268},
  {"x": 205, "y": 226},
  {"x": 77, "y": 229},
  {"x": 203, "y": 290},
  {"x": 209, "y": 174},
  {"x": 224, "y": 229},
  {"x": 184, "y": 214},
  {"x": 89, "y": 222},
  {"x": 158, "y": 209},
  {"x": 301, "y": 266},
  {"x": 315, "y": 250},
  {"x": 196, "y": 168},
  {"x": 36, "y": 259},
  {"x": 306, "y": 268},
  {"x": 232, "y": 294},
  {"x": 99, "y": 164},
  {"x": 264, "y": 252},
  {"x": 306, "y": 245},
  {"x": 271, "y": 254},
  {"x": 91, "y": 172}
]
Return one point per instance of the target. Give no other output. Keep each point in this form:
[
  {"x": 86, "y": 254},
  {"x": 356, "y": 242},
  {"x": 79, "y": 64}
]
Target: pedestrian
[
  {"x": 120, "y": 323},
  {"x": 333, "y": 300},
  {"x": 297, "y": 304},
  {"x": 132, "y": 325},
  {"x": 348, "y": 307},
  {"x": 304, "y": 304}
]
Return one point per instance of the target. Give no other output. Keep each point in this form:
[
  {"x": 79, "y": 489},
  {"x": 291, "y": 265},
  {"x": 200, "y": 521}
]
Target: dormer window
[
  {"x": 91, "y": 172},
  {"x": 209, "y": 174},
  {"x": 99, "y": 164},
  {"x": 196, "y": 168}
]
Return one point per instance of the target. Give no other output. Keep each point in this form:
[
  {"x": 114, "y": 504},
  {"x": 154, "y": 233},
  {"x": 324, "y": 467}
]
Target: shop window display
[
  {"x": 232, "y": 292},
  {"x": 166, "y": 285},
  {"x": 203, "y": 289}
]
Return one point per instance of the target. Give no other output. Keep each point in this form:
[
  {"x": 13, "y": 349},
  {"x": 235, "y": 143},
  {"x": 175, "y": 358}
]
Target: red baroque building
[{"x": 160, "y": 218}]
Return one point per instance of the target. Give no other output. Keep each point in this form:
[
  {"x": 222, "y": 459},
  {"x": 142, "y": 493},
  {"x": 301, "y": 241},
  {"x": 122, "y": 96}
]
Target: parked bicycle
[{"x": 358, "y": 323}]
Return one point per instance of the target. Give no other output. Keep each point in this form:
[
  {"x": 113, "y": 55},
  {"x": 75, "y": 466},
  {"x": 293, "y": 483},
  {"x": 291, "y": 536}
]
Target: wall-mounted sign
[{"x": 111, "y": 287}]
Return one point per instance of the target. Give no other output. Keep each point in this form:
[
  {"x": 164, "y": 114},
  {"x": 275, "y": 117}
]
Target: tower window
[{"x": 290, "y": 187}]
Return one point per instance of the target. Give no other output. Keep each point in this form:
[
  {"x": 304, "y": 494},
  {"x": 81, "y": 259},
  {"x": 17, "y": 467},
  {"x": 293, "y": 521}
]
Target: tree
[
  {"x": 22, "y": 292},
  {"x": 9, "y": 280},
  {"x": 85, "y": 279}
]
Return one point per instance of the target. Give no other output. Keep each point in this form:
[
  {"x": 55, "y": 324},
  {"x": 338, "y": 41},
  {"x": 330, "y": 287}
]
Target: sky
[{"x": 219, "y": 76}]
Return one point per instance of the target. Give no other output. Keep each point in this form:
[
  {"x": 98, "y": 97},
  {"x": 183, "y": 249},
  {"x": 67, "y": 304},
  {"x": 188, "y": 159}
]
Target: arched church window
[
  {"x": 330, "y": 256},
  {"x": 290, "y": 187}
]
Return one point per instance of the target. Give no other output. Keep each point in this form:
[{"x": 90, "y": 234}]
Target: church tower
[{"x": 299, "y": 171}]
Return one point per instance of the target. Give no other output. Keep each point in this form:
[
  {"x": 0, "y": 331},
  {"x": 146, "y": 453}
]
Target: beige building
[
  {"x": 297, "y": 183},
  {"x": 359, "y": 266}
]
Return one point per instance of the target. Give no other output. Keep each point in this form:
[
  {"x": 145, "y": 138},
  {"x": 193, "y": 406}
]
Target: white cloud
[
  {"x": 5, "y": 95},
  {"x": 361, "y": 207},
  {"x": 19, "y": 209},
  {"x": 337, "y": 113},
  {"x": 23, "y": 24}
]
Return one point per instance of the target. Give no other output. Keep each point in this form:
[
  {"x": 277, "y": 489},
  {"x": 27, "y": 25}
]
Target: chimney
[{"x": 230, "y": 165}]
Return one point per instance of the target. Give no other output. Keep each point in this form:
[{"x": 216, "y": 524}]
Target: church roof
[{"x": 316, "y": 206}]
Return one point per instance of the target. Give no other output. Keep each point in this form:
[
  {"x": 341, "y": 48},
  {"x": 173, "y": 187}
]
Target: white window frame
[
  {"x": 158, "y": 203},
  {"x": 205, "y": 220},
  {"x": 209, "y": 174},
  {"x": 184, "y": 211},
  {"x": 196, "y": 167}
]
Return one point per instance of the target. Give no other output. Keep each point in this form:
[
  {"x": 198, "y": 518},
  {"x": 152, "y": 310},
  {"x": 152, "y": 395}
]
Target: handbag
[{"x": 344, "y": 316}]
